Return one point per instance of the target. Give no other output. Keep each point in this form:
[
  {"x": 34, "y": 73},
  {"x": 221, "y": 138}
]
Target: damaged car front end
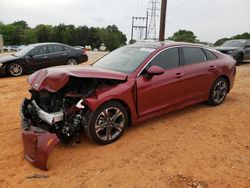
[{"x": 56, "y": 111}]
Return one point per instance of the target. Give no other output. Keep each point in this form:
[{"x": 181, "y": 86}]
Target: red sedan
[{"x": 127, "y": 86}]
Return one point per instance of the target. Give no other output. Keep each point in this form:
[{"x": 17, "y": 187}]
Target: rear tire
[
  {"x": 72, "y": 61},
  {"x": 107, "y": 123},
  {"x": 15, "y": 69},
  {"x": 218, "y": 92}
]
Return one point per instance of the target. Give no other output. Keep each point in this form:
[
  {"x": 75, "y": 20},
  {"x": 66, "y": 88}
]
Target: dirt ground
[{"x": 199, "y": 146}]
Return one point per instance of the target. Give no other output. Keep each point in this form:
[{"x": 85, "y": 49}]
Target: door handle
[
  {"x": 212, "y": 67},
  {"x": 44, "y": 57},
  {"x": 64, "y": 54},
  {"x": 178, "y": 75}
]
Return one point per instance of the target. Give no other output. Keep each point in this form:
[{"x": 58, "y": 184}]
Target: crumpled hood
[
  {"x": 7, "y": 58},
  {"x": 53, "y": 79},
  {"x": 226, "y": 48}
]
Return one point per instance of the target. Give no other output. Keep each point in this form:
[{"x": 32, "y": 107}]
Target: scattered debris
[
  {"x": 37, "y": 176},
  {"x": 85, "y": 172},
  {"x": 136, "y": 159},
  {"x": 181, "y": 180}
]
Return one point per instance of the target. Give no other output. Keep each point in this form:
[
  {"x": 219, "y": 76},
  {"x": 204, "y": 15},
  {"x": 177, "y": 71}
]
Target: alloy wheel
[
  {"x": 72, "y": 62},
  {"x": 109, "y": 124},
  {"x": 16, "y": 70},
  {"x": 220, "y": 91}
]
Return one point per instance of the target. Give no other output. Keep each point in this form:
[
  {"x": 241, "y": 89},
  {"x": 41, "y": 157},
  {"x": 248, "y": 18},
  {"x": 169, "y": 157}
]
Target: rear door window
[
  {"x": 210, "y": 55},
  {"x": 167, "y": 59},
  {"x": 55, "y": 49},
  {"x": 193, "y": 55},
  {"x": 65, "y": 48}
]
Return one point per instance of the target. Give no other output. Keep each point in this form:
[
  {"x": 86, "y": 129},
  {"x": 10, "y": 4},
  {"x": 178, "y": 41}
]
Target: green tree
[
  {"x": 30, "y": 37},
  {"x": 239, "y": 36},
  {"x": 112, "y": 37},
  {"x": 95, "y": 37},
  {"x": 242, "y": 36},
  {"x": 9, "y": 33},
  {"x": 43, "y": 33},
  {"x": 183, "y": 36},
  {"x": 20, "y": 33},
  {"x": 21, "y": 24},
  {"x": 82, "y": 36},
  {"x": 221, "y": 41}
]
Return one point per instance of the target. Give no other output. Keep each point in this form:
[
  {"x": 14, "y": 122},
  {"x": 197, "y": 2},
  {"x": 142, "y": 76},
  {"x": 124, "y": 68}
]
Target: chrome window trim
[
  {"x": 51, "y": 53},
  {"x": 154, "y": 57},
  {"x": 179, "y": 54},
  {"x": 48, "y": 53}
]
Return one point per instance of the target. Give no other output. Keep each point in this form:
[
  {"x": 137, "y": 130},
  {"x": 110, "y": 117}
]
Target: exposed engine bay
[{"x": 63, "y": 112}]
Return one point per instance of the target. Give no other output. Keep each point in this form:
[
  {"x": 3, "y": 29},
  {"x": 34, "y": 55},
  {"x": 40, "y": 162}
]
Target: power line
[{"x": 153, "y": 18}]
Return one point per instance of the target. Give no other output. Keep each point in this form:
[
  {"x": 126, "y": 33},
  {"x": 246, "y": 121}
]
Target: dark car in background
[
  {"x": 41, "y": 55},
  {"x": 239, "y": 49}
]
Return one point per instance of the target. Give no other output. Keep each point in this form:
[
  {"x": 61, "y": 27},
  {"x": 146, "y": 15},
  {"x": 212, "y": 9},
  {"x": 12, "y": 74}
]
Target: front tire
[
  {"x": 107, "y": 123},
  {"x": 218, "y": 92},
  {"x": 15, "y": 69}
]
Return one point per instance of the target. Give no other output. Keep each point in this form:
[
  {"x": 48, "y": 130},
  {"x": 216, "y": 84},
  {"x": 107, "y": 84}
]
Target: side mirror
[
  {"x": 155, "y": 70},
  {"x": 30, "y": 55}
]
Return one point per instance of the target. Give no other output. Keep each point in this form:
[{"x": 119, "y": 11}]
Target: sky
[{"x": 210, "y": 20}]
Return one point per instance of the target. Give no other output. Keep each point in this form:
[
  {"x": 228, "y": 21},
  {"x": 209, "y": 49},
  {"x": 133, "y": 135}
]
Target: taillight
[{"x": 84, "y": 51}]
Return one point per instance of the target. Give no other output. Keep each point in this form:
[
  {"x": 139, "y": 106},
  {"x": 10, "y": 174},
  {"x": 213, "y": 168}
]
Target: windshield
[
  {"x": 234, "y": 43},
  {"x": 24, "y": 51},
  {"x": 125, "y": 59}
]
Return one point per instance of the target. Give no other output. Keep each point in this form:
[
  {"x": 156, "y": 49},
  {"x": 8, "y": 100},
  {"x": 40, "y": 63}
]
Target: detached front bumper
[{"x": 38, "y": 143}]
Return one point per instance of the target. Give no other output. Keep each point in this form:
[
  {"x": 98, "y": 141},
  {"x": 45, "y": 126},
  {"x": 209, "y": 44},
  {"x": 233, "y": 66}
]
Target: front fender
[{"x": 125, "y": 92}]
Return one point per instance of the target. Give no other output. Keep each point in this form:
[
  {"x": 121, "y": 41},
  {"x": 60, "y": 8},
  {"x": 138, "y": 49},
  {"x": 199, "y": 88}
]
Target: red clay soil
[{"x": 199, "y": 146}]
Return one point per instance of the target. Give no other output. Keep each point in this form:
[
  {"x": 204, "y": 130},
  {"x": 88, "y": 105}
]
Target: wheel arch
[
  {"x": 123, "y": 103},
  {"x": 241, "y": 53},
  {"x": 7, "y": 65}
]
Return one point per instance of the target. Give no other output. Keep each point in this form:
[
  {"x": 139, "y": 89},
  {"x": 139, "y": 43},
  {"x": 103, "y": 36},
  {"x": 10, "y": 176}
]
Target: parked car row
[
  {"x": 13, "y": 48},
  {"x": 125, "y": 87},
  {"x": 41, "y": 55}
]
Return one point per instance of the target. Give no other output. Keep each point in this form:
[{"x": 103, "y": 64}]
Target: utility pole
[
  {"x": 153, "y": 14},
  {"x": 140, "y": 26},
  {"x": 163, "y": 20}
]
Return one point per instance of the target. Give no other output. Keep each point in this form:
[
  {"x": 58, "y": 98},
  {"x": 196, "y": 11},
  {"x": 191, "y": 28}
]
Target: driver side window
[{"x": 167, "y": 59}]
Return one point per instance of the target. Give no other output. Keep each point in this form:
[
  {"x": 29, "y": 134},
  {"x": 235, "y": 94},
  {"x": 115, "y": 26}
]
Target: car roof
[
  {"x": 46, "y": 43},
  {"x": 160, "y": 44},
  {"x": 240, "y": 40}
]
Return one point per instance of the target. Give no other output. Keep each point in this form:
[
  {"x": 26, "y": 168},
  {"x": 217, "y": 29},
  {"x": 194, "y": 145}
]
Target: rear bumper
[
  {"x": 232, "y": 76},
  {"x": 38, "y": 143},
  {"x": 83, "y": 58}
]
